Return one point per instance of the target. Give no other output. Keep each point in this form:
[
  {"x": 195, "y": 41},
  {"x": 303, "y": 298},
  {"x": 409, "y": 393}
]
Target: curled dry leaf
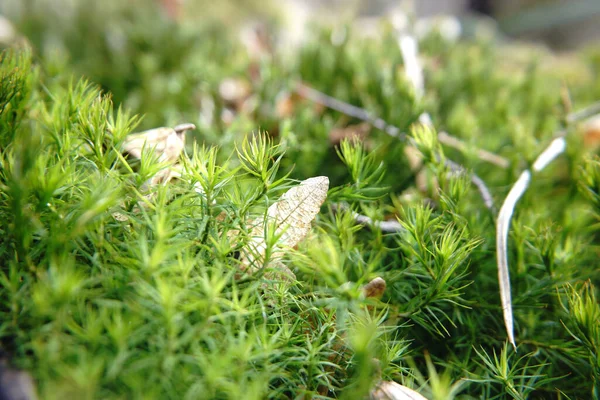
[
  {"x": 390, "y": 390},
  {"x": 167, "y": 143},
  {"x": 375, "y": 288},
  {"x": 290, "y": 216}
]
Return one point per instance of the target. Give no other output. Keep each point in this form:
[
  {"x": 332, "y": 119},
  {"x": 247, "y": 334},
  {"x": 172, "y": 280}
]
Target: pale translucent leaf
[
  {"x": 390, "y": 390},
  {"x": 289, "y": 219},
  {"x": 278, "y": 271}
]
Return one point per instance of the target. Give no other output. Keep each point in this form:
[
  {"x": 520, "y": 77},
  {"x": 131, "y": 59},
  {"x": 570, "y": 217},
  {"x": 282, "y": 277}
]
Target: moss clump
[{"x": 107, "y": 292}]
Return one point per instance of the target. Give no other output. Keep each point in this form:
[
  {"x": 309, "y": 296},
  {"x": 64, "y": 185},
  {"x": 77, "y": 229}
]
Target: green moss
[{"x": 106, "y": 292}]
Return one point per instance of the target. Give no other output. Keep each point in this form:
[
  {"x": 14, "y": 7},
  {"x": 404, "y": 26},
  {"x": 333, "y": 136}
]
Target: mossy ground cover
[{"x": 111, "y": 289}]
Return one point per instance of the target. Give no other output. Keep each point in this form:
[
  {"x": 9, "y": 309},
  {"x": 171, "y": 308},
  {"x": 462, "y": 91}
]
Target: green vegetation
[{"x": 110, "y": 288}]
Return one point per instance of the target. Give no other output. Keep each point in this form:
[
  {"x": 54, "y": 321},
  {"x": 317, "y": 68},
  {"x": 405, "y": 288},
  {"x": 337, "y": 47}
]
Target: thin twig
[
  {"x": 392, "y": 226},
  {"x": 484, "y": 192},
  {"x": 359, "y": 113},
  {"x": 356, "y": 112},
  {"x": 347, "y": 109},
  {"x": 585, "y": 113},
  {"x": 484, "y": 155}
]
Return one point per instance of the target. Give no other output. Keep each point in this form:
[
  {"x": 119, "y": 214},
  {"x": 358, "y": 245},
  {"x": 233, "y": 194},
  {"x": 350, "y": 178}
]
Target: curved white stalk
[
  {"x": 502, "y": 227},
  {"x": 556, "y": 147}
]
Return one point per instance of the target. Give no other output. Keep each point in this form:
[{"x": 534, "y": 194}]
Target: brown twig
[
  {"x": 348, "y": 109},
  {"x": 359, "y": 113},
  {"x": 362, "y": 114},
  {"x": 483, "y": 155}
]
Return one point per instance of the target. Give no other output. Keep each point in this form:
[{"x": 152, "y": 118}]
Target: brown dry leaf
[
  {"x": 591, "y": 133},
  {"x": 167, "y": 143},
  {"x": 291, "y": 216},
  {"x": 285, "y": 104},
  {"x": 172, "y": 8},
  {"x": 390, "y": 390},
  {"x": 375, "y": 288},
  {"x": 360, "y": 132}
]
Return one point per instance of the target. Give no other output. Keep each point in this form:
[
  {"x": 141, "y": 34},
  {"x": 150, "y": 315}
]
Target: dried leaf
[
  {"x": 285, "y": 104},
  {"x": 120, "y": 217},
  {"x": 167, "y": 143},
  {"x": 227, "y": 116},
  {"x": 390, "y": 390},
  {"x": 375, "y": 288},
  {"x": 235, "y": 90},
  {"x": 591, "y": 133},
  {"x": 359, "y": 132},
  {"x": 290, "y": 216},
  {"x": 8, "y": 33},
  {"x": 164, "y": 176},
  {"x": 278, "y": 271},
  {"x": 172, "y": 8},
  {"x": 257, "y": 40}
]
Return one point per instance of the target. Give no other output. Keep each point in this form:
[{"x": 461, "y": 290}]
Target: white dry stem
[
  {"x": 412, "y": 67},
  {"x": 414, "y": 73},
  {"x": 391, "y": 226},
  {"x": 556, "y": 148},
  {"x": 503, "y": 224}
]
